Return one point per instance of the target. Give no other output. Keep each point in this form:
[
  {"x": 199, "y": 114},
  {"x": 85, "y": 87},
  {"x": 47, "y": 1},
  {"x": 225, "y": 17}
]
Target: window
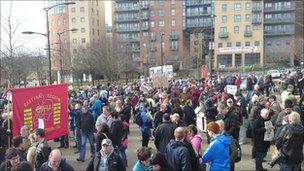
[
  {"x": 82, "y": 19},
  {"x": 161, "y": 12},
  {"x": 82, "y": 30},
  {"x": 151, "y": 13},
  {"x": 248, "y": 6},
  {"x": 151, "y": 3},
  {"x": 248, "y": 28},
  {"x": 172, "y": 11},
  {"x": 97, "y": 32},
  {"x": 160, "y": 2},
  {"x": 238, "y": 44},
  {"x": 74, "y": 31},
  {"x": 237, "y": 18},
  {"x": 163, "y": 45},
  {"x": 74, "y": 41},
  {"x": 268, "y": 5},
  {"x": 64, "y": 21},
  {"x": 73, "y": 20},
  {"x": 173, "y": 23},
  {"x": 268, "y": 43},
  {"x": 152, "y": 23},
  {"x": 236, "y": 29},
  {"x": 224, "y": 19},
  {"x": 223, "y": 29},
  {"x": 81, "y": 9},
  {"x": 97, "y": 12},
  {"x": 58, "y": 22},
  {"x": 97, "y": 22},
  {"x": 247, "y": 44},
  {"x": 237, "y": 6},
  {"x": 257, "y": 43},
  {"x": 83, "y": 40},
  {"x": 220, "y": 45},
  {"x": 224, "y": 7},
  {"x": 278, "y": 43},
  {"x": 93, "y": 22},
  {"x": 287, "y": 42},
  {"x": 73, "y": 9},
  {"x": 92, "y": 10},
  {"x": 161, "y": 23},
  {"x": 256, "y": 28},
  {"x": 93, "y": 31},
  {"x": 229, "y": 44},
  {"x": 172, "y": 2},
  {"x": 248, "y": 17}
]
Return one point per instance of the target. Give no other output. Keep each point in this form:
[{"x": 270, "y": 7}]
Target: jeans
[
  {"x": 243, "y": 129},
  {"x": 84, "y": 137},
  {"x": 78, "y": 138},
  {"x": 249, "y": 95},
  {"x": 290, "y": 167}
]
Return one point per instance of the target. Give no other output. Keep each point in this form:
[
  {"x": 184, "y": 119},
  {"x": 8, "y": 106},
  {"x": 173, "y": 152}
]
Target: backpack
[{"x": 235, "y": 151}]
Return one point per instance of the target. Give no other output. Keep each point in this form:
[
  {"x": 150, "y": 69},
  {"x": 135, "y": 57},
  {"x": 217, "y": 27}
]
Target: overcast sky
[{"x": 31, "y": 17}]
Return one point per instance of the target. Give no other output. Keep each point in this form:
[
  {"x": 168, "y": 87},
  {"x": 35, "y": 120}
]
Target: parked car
[{"x": 275, "y": 73}]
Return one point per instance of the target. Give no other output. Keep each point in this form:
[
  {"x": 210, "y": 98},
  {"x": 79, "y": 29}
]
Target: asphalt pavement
[{"x": 247, "y": 163}]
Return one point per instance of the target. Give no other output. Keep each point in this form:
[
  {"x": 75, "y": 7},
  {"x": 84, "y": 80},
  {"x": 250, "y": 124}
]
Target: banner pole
[{"x": 8, "y": 131}]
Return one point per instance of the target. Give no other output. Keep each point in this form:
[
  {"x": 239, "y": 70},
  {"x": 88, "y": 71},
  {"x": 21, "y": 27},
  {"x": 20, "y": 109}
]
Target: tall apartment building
[
  {"x": 86, "y": 16},
  {"x": 238, "y": 33},
  {"x": 283, "y": 24},
  {"x": 154, "y": 30}
]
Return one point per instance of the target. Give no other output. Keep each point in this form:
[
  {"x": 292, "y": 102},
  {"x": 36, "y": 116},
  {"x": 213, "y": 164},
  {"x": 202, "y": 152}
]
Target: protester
[
  {"x": 103, "y": 133},
  {"x": 230, "y": 119},
  {"x": 216, "y": 156},
  {"x": 145, "y": 127},
  {"x": 86, "y": 125},
  {"x": 19, "y": 144},
  {"x": 259, "y": 145},
  {"x": 189, "y": 114},
  {"x": 106, "y": 159},
  {"x": 56, "y": 162},
  {"x": 103, "y": 118},
  {"x": 159, "y": 162},
  {"x": 23, "y": 166},
  {"x": 164, "y": 133},
  {"x": 143, "y": 163},
  {"x": 42, "y": 150},
  {"x": 195, "y": 139},
  {"x": 177, "y": 154},
  {"x": 290, "y": 143},
  {"x": 12, "y": 159}
]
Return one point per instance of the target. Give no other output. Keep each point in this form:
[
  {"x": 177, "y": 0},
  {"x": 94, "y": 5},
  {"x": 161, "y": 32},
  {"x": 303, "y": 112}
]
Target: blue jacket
[
  {"x": 178, "y": 156},
  {"x": 146, "y": 125},
  {"x": 141, "y": 167},
  {"x": 217, "y": 154},
  {"x": 95, "y": 109}
]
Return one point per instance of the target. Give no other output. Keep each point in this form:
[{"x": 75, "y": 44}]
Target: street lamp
[
  {"x": 211, "y": 51},
  {"x": 46, "y": 9},
  {"x": 60, "y": 51}
]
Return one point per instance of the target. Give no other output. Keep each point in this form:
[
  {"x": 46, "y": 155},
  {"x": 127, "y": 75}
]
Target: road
[{"x": 134, "y": 142}]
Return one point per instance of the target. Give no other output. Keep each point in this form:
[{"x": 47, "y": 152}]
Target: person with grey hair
[
  {"x": 56, "y": 162},
  {"x": 106, "y": 158},
  {"x": 230, "y": 120},
  {"x": 290, "y": 143}
]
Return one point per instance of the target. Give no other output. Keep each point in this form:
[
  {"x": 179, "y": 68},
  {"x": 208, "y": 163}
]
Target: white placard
[
  {"x": 40, "y": 123},
  {"x": 269, "y": 134},
  {"x": 201, "y": 122},
  {"x": 197, "y": 110},
  {"x": 231, "y": 89}
]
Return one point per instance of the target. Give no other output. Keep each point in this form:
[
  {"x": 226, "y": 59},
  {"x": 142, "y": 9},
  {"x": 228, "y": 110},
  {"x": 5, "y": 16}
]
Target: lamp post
[
  {"x": 161, "y": 52},
  {"x": 47, "y": 35},
  {"x": 60, "y": 52},
  {"x": 212, "y": 43}
]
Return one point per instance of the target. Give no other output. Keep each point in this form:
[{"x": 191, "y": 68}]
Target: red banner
[{"x": 44, "y": 107}]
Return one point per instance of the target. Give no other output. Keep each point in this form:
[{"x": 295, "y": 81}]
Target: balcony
[
  {"x": 196, "y": 14},
  {"x": 248, "y": 33},
  {"x": 124, "y": 9},
  {"x": 279, "y": 20},
  {"x": 174, "y": 36},
  {"x": 153, "y": 49},
  {"x": 127, "y": 29},
  {"x": 126, "y": 19},
  {"x": 256, "y": 9},
  {"x": 198, "y": 24},
  {"x": 134, "y": 39},
  {"x": 278, "y": 33},
  {"x": 256, "y": 21},
  {"x": 223, "y": 35},
  {"x": 196, "y": 3},
  {"x": 144, "y": 6},
  {"x": 283, "y": 9},
  {"x": 144, "y": 17},
  {"x": 144, "y": 28},
  {"x": 135, "y": 49}
]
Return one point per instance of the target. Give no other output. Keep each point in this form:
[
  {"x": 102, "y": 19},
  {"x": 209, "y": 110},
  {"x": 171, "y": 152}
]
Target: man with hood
[
  {"x": 106, "y": 159},
  {"x": 177, "y": 154},
  {"x": 217, "y": 155}
]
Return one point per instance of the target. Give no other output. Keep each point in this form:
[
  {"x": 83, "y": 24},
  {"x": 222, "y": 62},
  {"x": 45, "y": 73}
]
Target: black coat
[
  {"x": 163, "y": 134},
  {"x": 258, "y": 130},
  {"x": 210, "y": 109},
  {"x": 86, "y": 122},
  {"x": 158, "y": 117},
  {"x": 63, "y": 166},
  {"x": 231, "y": 125},
  {"x": 117, "y": 132},
  {"x": 179, "y": 111},
  {"x": 189, "y": 116},
  {"x": 114, "y": 163},
  {"x": 290, "y": 142}
]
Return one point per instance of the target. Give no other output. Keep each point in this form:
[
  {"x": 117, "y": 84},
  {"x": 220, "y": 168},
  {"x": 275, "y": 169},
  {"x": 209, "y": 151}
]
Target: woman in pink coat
[{"x": 195, "y": 139}]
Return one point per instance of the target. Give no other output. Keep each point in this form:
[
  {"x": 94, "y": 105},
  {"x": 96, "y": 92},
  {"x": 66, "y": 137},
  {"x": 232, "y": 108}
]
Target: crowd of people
[{"x": 167, "y": 117}]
